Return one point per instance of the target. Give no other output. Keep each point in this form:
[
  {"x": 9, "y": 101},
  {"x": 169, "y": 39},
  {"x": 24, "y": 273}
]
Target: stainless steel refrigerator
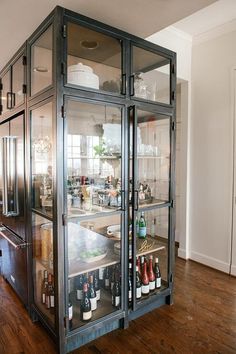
[{"x": 13, "y": 243}]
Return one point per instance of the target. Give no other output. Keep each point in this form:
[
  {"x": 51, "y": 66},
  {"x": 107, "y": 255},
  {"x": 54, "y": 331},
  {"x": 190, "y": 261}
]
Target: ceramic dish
[
  {"x": 114, "y": 231},
  {"x": 82, "y": 75}
]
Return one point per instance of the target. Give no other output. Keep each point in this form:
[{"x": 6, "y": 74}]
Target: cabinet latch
[
  {"x": 64, "y": 219},
  {"x": 63, "y": 112},
  {"x": 173, "y": 95},
  {"x": 24, "y": 60},
  {"x": 24, "y": 90},
  {"x": 173, "y": 203},
  {"x": 173, "y": 125}
]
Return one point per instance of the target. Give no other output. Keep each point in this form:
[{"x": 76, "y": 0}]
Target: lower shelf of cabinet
[{"x": 104, "y": 307}]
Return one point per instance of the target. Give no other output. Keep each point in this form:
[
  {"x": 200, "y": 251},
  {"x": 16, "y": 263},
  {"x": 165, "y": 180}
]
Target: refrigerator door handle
[
  {"x": 10, "y": 185},
  {"x": 15, "y": 241}
]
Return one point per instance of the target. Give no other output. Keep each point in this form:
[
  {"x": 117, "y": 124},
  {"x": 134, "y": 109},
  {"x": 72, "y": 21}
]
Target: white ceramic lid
[{"x": 80, "y": 67}]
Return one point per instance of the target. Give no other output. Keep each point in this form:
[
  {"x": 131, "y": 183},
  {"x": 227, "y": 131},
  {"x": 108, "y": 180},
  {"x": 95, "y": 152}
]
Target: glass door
[
  {"x": 6, "y": 98},
  {"x": 149, "y": 210},
  {"x": 18, "y": 82},
  {"x": 94, "y": 198}
]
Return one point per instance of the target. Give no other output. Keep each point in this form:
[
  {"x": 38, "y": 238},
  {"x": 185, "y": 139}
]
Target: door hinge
[
  {"x": 63, "y": 112},
  {"x": 173, "y": 203},
  {"x": 24, "y": 90},
  {"x": 64, "y": 219},
  {"x": 173, "y": 125},
  {"x": 64, "y": 31},
  {"x": 63, "y": 68},
  {"x": 173, "y": 95},
  {"x": 24, "y": 60}
]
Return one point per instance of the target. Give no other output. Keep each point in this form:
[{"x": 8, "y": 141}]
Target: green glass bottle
[{"x": 142, "y": 226}]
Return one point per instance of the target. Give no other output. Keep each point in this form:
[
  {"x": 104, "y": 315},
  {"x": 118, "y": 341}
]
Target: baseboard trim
[
  {"x": 210, "y": 262},
  {"x": 233, "y": 270},
  {"x": 182, "y": 253}
]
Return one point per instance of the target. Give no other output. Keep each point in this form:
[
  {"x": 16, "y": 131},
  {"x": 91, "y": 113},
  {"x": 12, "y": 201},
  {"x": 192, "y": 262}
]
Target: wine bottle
[
  {"x": 138, "y": 284},
  {"x": 107, "y": 279},
  {"x": 70, "y": 312},
  {"x": 92, "y": 294},
  {"x": 141, "y": 265},
  {"x": 145, "y": 280},
  {"x": 116, "y": 292},
  {"x": 96, "y": 286},
  {"x": 44, "y": 287},
  {"x": 85, "y": 305},
  {"x": 79, "y": 287},
  {"x": 130, "y": 283},
  {"x": 157, "y": 274},
  {"x": 138, "y": 265},
  {"x": 142, "y": 226},
  {"x": 151, "y": 275},
  {"x": 112, "y": 277},
  {"x": 47, "y": 293},
  {"x": 51, "y": 292}
]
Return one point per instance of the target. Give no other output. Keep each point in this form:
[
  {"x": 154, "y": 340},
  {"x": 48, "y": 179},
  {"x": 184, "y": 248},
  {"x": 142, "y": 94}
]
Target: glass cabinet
[{"x": 100, "y": 153}]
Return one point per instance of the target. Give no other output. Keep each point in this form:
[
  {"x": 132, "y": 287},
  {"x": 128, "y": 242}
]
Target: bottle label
[
  {"x": 158, "y": 282},
  {"x": 112, "y": 284},
  {"x": 101, "y": 272},
  {"x": 43, "y": 298},
  {"x": 93, "y": 302},
  {"x": 107, "y": 283},
  {"x": 145, "y": 289},
  {"x": 70, "y": 312},
  {"x": 52, "y": 301},
  {"x": 152, "y": 285},
  {"x": 87, "y": 315},
  {"x": 130, "y": 295},
  {"x": 79, "y": 294},
  {"x": 138, "y": 293},
  {"x": 117, "y": 301},
  {"x": 142, "y": 231},
  {"x": 98, "y": 293}
]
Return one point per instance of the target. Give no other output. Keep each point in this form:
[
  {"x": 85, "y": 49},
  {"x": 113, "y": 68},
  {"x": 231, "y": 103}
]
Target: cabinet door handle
[
  {"x": 122, "y": 200},
  {"x": 9, "y": 99},
  {"x": 132, "y": 85},
  {"x": 13, "y": 99},
  {"x": 123, "y": 84},
  {"x": 136, "y": 203}
]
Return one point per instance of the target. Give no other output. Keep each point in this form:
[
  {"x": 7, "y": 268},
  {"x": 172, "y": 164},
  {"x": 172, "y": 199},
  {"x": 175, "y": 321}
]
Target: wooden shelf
[
  {"x": 104, "y": 307},
  {"x": 107, "y": 157}
]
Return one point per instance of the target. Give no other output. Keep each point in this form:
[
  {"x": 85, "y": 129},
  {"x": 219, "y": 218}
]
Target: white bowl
[{"x": 82, "y": 75}]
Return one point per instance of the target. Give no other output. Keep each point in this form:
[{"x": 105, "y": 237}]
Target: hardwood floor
[{"x": 202, "y": 320}]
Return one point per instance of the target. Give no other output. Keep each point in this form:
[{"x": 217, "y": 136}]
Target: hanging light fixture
[{"x": 42, "y": 144}]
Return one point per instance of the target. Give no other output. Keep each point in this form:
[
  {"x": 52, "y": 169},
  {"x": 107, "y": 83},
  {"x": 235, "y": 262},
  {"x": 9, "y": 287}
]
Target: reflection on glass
[
  {"x": 44, "y": 297},
  {"x": 94, "y": 253},
  {"x": 94, "y": 59},
  {"x": 18, "y": 81},
  {"x": 151, "y": 76},
  {"x": 153, "y": 158},
  {"x": 94, "y": 158},
  {"x": 6, "y": 92},
  {"x": 151, "y": 229},
  {"x": 41, "y": 150},
  {"x": 41, "y": 62}
]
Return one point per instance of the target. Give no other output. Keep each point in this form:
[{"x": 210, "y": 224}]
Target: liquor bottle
[
  {"x": 151, "y": 275},
  {"x": 142, "y": 226},
  {"x": 153, "y": 228},
  {"x": 137, "y": 226},
  {"x": 44, "y": 287},
  {"x": 70, "y": 312},
  {"x": 145, "y": 280},
  {"x": 51, "y": 292},
  {"x": 157, "y": 274},
  {"x": 96, "y": 286},
  {"x": 101, "y": 277},
  {"x": 141, "y": 265},
  {"x": 107, "y": 279},
  {"x": 92, "y": 294},
  {"x": 85, "y": 305},
  {"x": 130, "y": 283},
  {"x": 138, "y": 284},
  {"x": 138, "y": 265},
  {"x": 79, "y": 287},
  {"x": 116, "y": 292}
]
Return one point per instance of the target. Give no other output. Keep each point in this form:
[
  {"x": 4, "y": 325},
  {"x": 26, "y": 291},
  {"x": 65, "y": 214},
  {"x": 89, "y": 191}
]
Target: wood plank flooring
[{"x": 202, "y": 320}]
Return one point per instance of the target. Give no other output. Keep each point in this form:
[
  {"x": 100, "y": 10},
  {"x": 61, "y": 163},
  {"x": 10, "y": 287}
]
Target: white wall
[{"x": 211, "y": 141}]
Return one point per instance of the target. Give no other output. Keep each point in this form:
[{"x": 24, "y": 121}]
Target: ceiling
[
  {"x": 217, "y": 14},
  {"x": 18, "y": 19}
]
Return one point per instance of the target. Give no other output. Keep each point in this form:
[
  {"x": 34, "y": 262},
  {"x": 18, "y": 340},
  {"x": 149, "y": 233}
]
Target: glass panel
[
  {"x": 42, "y": 235},
  {"x": 41, "y": 155},
  {"x": 93, "y": 158},
  {"x": 18, "y": 81},
  {"x": 153, "y": 158},
  {"x": 94, "y": 250},
  {"x": 6, "y": 91},
  {"x": 151, "y": 229},
  {"x": 151, "y": 76},
  {"x": 41, "y": 62},
  {"x": 93, "y": 59}
]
